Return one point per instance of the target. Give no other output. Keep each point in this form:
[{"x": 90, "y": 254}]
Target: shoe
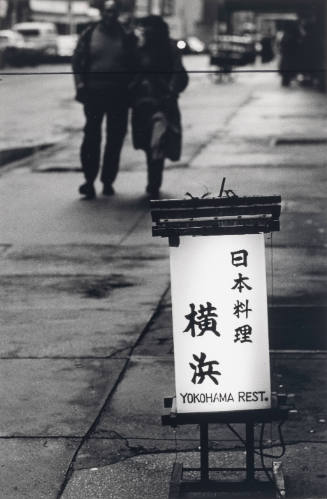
[
  {"x": 108, "y": 190},
  {"x": 87, "y": 190}
]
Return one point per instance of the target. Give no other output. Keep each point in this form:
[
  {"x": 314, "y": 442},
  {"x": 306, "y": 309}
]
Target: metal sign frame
[
  {"x": 206, "y": 216},
  {"x": 214, "y": 216}
]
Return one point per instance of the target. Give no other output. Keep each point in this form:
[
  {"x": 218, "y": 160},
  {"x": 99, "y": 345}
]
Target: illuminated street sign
[{"x": 220, "y": 325}]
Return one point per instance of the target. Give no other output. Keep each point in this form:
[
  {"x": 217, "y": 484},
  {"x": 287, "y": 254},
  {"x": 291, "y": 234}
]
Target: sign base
[
  {"x": 275, "y": 486},
  {"x": 178, "y": 485}
]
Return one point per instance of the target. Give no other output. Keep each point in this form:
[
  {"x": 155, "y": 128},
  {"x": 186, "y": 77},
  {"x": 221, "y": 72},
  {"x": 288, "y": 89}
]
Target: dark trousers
[
  {"x": 155, "y": 172},
  {"x": 114, "y": 106}
]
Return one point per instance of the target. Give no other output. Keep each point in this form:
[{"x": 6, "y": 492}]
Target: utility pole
[
  {"x": 162, "y": 7},
  {"x": 13, "y": 16},
  {"x": 3, "y": 11},
  {"x": 70, "y": 17}
]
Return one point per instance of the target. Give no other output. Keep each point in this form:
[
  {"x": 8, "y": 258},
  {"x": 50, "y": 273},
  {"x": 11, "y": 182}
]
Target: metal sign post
[{"x": 220, "y": 326}]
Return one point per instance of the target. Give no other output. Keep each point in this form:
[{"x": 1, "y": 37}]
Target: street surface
[
  {"x": 41, "y": 98},
  {"x": 86, "y": 348}
]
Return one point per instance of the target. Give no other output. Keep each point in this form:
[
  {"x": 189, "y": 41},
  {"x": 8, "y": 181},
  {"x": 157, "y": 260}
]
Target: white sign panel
[{"x": 220, "y": 323}]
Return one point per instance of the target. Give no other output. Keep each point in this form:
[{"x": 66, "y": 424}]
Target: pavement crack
[
  {"x": 249, "y": 98},
  {"x": 105, "y": 404},
  {"x": 131, "y": 230},
  {"x": 119, "y": 351},
  {"x": 71, "y": 357},
  {"x": 4, "y": 248},
  {"x": 214, "y": 134},
  {"x": 41, "y": 437}
]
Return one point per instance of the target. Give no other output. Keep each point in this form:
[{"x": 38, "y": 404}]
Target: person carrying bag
[{"x": 154, "y": 91}]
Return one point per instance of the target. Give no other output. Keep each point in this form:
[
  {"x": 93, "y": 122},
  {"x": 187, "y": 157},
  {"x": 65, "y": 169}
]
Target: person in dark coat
[
  {"x": 156, "y": 119},
  {"x": 102, "y": 65},
  {"x": 267, "y": 51},
  {"x": 311, "y": 53},
  {"x": 290, "y": 53}
]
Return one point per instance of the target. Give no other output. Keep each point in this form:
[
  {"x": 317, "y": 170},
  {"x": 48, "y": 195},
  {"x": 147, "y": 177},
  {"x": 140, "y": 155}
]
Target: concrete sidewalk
[
  {"x": 86, "y": 349},
  {"x": 129, "y": 455}
]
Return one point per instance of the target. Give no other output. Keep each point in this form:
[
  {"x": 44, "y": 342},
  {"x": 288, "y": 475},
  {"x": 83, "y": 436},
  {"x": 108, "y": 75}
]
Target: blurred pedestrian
[
  {"x": 267, "y": 51},
  {"x": 102, "y": 65},
  {"x": 290, "y": 52},
  {"x": 156, "y": 119},
  {"x": 311, "y": 53}
]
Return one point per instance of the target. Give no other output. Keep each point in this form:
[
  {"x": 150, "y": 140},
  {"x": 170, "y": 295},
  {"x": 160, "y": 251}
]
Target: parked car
[
  {"x": 232, "y": 50},
  {"x": 13, "y": 50},
  {"x": 39, "y": 36}
]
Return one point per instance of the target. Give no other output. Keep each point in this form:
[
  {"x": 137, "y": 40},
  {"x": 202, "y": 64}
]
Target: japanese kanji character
[
  {"x": 239, "y": 258},
  {"x": 242, "y": 308},
  {"x": 204, "y": 369},
  {"x": 203, "y": 319},
  {"x": 243, "y": 334},
  {"x": 240, "y": 283}
]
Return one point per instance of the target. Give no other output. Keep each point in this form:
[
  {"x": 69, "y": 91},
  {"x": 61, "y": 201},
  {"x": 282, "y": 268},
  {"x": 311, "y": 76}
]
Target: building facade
[{"x": 182, "y": 16}]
